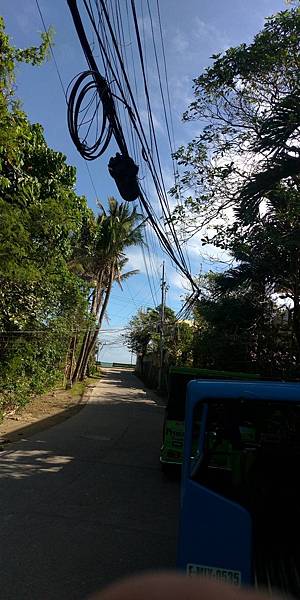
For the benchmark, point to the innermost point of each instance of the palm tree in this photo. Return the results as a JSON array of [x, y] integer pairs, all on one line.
[[115, 230]]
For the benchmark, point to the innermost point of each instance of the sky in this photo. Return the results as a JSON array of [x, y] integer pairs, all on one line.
[[192, 30]]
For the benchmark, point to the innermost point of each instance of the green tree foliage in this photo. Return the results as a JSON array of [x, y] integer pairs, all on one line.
[[58, 262], [244, 166], [102, 263], [248, 107], [267, 255], [143, 336], [41, 219], [239, 329]]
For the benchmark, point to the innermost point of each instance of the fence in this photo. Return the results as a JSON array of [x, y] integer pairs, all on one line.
[[148, 370]]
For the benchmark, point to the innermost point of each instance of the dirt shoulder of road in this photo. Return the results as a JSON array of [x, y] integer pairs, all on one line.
[[43, 412]]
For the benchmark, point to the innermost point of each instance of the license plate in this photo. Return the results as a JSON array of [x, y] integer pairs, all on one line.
[[222, 575]]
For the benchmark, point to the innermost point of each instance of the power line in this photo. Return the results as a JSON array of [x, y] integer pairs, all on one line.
[[165, 205], [133, 113], [91, 178], [167, 216], [63, 87], [55, 332], [51, 49], [62, 84], [153, 267], [171, 143], [129, 292], [148, 277], [160, 86], [109, 135], [167, 245], [165, 71]]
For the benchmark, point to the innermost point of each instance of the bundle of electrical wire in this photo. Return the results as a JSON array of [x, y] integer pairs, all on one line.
[[85, 85]]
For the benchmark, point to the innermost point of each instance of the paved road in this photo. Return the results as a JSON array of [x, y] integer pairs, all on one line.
[[85, 502]]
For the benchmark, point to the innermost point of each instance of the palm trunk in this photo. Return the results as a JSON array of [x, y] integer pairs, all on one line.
[[77, 369], [72, 362], [86, 351], [94, 336], [69, 363], [86, 339]]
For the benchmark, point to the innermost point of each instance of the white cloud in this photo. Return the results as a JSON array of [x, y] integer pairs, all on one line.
[[158, 126], [145, 27], [179, 281], [136, 260], [210, 257], [180, 42], [25, 16], [211, 34], [181, 89]]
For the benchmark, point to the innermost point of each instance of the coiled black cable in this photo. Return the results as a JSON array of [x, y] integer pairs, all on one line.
[[85, 83]]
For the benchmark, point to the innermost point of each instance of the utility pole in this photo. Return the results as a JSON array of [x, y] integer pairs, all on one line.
[[162, 323]]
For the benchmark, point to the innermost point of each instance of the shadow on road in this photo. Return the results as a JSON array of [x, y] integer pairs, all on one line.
[[85, 502]]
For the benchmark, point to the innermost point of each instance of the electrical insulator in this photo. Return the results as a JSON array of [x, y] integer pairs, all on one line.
[[124, 171]]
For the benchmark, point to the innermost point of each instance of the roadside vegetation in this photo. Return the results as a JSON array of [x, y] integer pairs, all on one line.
[[58, 260], [240, 182], [240, 186]]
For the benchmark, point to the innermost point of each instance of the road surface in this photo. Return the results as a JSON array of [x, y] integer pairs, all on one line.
[[84, 502]]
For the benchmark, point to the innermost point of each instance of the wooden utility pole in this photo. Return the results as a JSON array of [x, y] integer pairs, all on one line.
[[162, 323]]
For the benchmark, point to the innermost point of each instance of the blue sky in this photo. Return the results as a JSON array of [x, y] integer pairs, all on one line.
[[193, 30]]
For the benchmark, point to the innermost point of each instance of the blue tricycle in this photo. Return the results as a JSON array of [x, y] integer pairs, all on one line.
[[239, 519]]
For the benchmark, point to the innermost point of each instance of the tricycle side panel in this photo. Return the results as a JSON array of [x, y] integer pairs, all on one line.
[[215, 536]]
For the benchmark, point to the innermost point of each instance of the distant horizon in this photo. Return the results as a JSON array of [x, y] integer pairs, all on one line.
[[114, 362]]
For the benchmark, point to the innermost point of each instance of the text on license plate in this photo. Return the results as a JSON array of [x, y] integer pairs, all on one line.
[[222, 575]]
